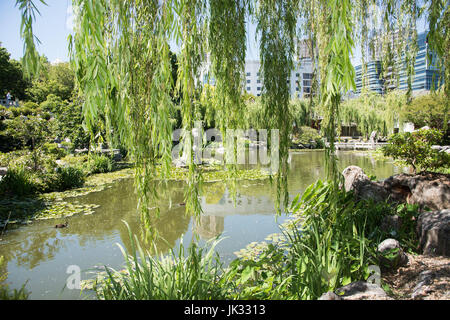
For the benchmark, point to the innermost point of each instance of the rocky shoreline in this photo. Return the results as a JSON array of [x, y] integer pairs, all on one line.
[[422, 276]]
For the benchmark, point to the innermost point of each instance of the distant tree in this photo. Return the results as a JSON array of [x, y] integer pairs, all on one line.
[[11, 76], [55, 79], [415, 149], [427, 110]]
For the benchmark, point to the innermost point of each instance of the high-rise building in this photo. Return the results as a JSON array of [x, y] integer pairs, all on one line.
[[426, 75], [373, 77]]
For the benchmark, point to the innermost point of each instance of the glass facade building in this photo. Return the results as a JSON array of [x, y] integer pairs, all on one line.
[[426, 75]]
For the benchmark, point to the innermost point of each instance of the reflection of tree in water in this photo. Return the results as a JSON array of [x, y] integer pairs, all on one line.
[[40, 242], [31, 248], [209, 227], [171, 223]]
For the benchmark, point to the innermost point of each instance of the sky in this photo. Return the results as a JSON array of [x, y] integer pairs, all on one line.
[[54, 25], [52, 28]]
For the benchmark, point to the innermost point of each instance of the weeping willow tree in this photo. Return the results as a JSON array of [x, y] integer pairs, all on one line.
[[276, 26], [373, 112], [120, 53], [439, 42]]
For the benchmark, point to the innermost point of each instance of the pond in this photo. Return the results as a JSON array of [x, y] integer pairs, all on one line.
[[40, 254]]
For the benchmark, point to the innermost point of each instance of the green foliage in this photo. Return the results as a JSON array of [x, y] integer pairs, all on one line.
[[31, 130], [276, 54], [69, 178], [100, 164], [194, 274], [415, 149], [17, 182], [54, 150], [309, 136], [11, 77], [427, 110], [373, 112]]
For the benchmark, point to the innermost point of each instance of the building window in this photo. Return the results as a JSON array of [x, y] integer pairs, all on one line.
[[297, 75], [258, 74], [248, 88], [259, 94], [307, 76], [296, 89], [248, 74], [259, 88], [258, 81], [248, 81]]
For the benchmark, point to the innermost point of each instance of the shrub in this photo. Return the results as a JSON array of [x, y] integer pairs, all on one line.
[[309, 136], [53, 149], [414, 148], [69, 178], [427, 110], [100, 164], [17, 181]]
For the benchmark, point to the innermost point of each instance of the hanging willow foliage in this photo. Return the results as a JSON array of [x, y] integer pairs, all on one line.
[[439, 42], [227, 46], [120, 53], [31, 56], [276, 23], [121, 56]]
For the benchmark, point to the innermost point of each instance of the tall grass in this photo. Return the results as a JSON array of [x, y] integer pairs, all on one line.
[[196, 275], [100, 164], [17, 182]]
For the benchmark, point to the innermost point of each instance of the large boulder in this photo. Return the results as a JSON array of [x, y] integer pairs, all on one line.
[[433, 229], [362, 290], [427, 189], [364, 188]]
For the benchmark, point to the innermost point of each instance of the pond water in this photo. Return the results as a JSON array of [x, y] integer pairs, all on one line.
[[39, 254]]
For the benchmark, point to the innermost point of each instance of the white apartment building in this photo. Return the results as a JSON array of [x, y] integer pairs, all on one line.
[[300, 80]]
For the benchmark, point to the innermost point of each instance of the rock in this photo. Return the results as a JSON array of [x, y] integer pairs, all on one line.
[[3, 171], [362, 290], [363, 187], [397, 257], [433, 229], [329, 296], [391, 223], [422, 288], [427, 189]]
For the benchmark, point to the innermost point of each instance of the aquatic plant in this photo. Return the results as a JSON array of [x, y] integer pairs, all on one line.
[[192, 274]]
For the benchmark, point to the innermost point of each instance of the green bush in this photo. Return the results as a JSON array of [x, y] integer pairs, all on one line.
[[414, 148], [100, 164], [17, 182], [69, 178], [53, 149], [309, 136]]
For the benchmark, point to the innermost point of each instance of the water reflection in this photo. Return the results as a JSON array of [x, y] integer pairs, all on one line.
[[39, 251]]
